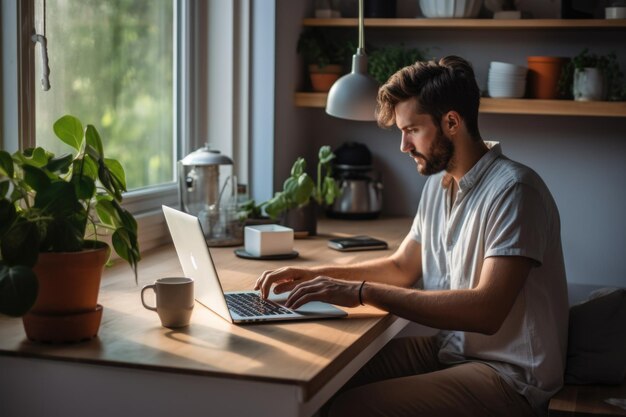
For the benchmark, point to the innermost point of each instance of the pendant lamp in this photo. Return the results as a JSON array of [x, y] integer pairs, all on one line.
[[353, 96]]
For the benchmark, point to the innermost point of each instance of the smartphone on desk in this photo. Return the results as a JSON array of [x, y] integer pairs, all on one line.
[[354, 243]]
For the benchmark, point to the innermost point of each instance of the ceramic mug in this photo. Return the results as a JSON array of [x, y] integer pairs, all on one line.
[[174, 300]]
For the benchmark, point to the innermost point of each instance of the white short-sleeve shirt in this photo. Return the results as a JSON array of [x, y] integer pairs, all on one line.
[[502, 208]]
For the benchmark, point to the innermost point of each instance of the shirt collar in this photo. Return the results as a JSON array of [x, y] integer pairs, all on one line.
[[474, 175]]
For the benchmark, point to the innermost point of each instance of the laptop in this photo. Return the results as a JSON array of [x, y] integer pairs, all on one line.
[[236, 306]]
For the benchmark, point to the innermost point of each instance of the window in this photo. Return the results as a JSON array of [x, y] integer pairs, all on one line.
[[112, 65], [158, 78]]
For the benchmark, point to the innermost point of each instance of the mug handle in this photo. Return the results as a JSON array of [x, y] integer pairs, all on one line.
[[142, 301]]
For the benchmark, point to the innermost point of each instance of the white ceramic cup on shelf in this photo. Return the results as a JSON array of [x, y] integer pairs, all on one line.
[[506, 68], [618, 12]]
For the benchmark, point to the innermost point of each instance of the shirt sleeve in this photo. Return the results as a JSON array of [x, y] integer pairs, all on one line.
[[416, 227], [517, 224]]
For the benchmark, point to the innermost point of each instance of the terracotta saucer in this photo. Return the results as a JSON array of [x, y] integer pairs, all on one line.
[[68, 328]]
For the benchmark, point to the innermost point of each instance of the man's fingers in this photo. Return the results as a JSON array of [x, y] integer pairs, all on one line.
[[277, 277], [259, 282], [285, 286], [306, 298], [302, 290]]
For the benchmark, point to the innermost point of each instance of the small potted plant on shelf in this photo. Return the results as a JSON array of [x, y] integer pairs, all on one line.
[[296, 202], [323, 55], [52, 212], [592, 77], [384, 62]]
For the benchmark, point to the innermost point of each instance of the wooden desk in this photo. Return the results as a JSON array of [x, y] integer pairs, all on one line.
[[137, 367]]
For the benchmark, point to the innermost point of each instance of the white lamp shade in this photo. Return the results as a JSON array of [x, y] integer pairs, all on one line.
[[353, 96]]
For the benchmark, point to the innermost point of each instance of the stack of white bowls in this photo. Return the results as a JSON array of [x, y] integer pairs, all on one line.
[[450, 8], [506, 80]]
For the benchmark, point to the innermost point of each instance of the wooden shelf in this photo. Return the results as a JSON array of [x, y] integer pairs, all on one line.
[[512, 106], [500, 24], [491, 105]]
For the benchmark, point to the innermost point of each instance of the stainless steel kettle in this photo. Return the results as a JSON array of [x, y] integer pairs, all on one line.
[[361, 188], [208, 190], [361, 193]]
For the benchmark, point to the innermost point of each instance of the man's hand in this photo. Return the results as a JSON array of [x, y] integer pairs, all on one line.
[[329, 290], [285, 279]]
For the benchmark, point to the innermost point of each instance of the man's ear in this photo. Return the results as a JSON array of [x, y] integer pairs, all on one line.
[[451, 123]]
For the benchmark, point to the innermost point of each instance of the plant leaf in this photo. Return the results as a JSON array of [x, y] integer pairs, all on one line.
[[325, 155], [93, 138], [4, 188], [84, 186], [36, 157], [276, 205], [290, 185], [6, 164], [304, 190], [70, 130], [61, 164], [58, 199], [298, 167], [117, 172], [65, 234], [7, 215], [85, 167], [106, 211], [36, 178], [110, 181], [18, 289], [125, 245], [330, 190], [20, 244], [127, 219]]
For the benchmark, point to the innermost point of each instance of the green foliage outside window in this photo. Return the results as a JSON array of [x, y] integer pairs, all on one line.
[[112, 63]]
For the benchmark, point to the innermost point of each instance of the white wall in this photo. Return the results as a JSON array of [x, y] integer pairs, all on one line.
[[582, 159]]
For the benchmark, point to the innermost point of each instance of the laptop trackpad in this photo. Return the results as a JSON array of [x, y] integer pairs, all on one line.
[[312, 308]]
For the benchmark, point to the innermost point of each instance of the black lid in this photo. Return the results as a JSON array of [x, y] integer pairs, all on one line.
[[353, 153]]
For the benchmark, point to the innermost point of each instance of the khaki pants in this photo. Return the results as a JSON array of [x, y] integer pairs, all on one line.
[[406, 379]]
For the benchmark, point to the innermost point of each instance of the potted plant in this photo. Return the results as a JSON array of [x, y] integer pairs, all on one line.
[[250, 213], [323, 55], [52, 212], [592, 77], [384, 62], [296, 201]]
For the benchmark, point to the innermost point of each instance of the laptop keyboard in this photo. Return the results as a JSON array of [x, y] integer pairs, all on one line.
[[252, 305]]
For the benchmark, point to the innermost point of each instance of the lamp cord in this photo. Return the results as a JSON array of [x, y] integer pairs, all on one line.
[[361, 24]]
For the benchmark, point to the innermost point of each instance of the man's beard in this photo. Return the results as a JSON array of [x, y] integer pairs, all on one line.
[[440, 156]]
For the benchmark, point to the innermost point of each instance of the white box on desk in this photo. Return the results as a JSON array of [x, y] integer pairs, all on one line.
[[268, 239]]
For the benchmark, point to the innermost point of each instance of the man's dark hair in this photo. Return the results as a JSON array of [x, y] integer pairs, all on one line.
[[439, 87]]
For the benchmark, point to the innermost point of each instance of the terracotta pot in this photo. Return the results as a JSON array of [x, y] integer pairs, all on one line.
[[322, 78], [66, 309], [543, 76]]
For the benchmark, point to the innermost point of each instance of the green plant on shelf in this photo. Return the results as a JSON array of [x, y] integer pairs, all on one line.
[[607, 64], [384, 62], [318, 47]]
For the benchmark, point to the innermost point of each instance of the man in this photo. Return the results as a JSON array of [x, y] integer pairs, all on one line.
[[486, 244]]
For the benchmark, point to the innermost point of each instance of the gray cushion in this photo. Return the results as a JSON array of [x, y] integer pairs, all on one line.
[[596, 351]]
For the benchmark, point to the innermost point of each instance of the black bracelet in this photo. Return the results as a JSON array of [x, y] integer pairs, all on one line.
[[360, 291]]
